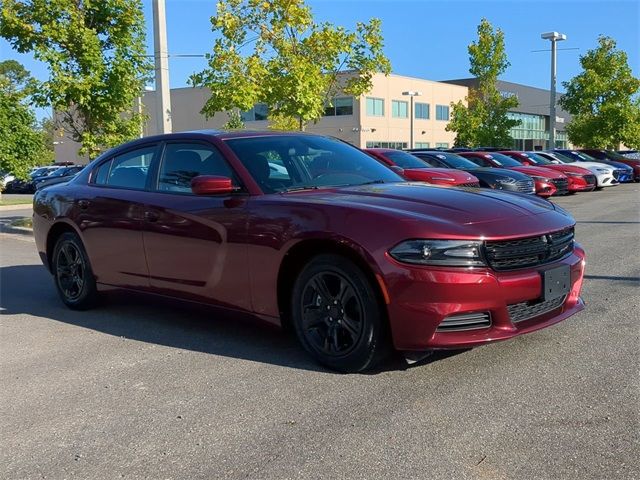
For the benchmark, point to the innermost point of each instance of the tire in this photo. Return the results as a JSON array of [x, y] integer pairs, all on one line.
[[344, 332], [72, 273]]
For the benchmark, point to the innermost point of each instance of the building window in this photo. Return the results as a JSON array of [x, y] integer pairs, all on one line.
[[259, 112], [422, 111], [375, 107], [422, 145], [339, 106], [396, 145], [399, 109], [442, 112], [442, 145]]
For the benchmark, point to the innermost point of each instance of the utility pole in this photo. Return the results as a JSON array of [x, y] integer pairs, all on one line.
[[554, 37], [163, 95], [411, 94]]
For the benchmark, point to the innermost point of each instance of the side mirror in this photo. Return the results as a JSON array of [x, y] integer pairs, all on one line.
[[211, 185]]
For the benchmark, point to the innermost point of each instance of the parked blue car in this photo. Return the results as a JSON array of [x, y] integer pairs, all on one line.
[[623, 173]]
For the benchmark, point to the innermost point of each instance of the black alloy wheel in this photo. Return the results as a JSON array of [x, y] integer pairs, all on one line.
[[337, 315], [73, 275]]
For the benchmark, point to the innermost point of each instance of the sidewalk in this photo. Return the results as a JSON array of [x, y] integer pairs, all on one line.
[[7, 216]]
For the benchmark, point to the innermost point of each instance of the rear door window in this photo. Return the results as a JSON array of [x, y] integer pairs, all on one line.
[[128, 170]]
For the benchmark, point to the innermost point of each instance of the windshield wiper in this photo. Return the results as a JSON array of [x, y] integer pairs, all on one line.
[[299, 189], [372, 182]]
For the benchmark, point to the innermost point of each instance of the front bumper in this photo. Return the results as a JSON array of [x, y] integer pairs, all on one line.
[[582, 184], [606, 180], [421, 298]]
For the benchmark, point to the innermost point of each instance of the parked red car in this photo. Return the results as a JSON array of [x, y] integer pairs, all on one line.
[[580, 179], [412, 168], [339, 247], [547, 182]]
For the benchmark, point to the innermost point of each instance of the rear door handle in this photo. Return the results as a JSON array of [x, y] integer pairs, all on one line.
[[151, 216], [83, 204]]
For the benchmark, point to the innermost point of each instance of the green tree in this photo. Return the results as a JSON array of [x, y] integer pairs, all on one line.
[[15, 77], [483, 121], [603, 99], [275, 53], [235, 120], [95, 51], [23, 144]]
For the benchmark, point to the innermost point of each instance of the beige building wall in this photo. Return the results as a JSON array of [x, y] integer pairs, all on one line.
[[357, 128]]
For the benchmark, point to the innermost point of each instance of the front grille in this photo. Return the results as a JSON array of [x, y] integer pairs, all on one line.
[[617, 173], [525, 186], [465, 321], [562, 185], [590, 179], [530, 251], [473, 184], [519, 312]]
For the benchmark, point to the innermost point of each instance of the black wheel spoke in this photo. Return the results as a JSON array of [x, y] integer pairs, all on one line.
[[352, 328], [313, 316], [321, 288], [70, 270]]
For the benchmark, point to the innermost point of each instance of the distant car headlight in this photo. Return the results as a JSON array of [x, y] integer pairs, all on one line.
[[449, 253], [506, 180], [541, 179]]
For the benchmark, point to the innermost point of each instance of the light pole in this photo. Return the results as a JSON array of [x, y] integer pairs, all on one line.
[[163, 96], [411, 93], [554, 37]]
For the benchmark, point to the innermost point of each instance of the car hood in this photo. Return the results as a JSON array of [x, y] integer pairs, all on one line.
[[459, 206], [590, 165], [445, 174], [538, 171], [569, 169], [491, 172]]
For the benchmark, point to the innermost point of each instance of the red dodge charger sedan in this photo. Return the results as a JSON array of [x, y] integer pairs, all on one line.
[[309, 232], [412, 168]]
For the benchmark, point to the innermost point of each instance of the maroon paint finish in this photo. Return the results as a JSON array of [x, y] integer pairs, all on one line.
[[449, 177], [543, 188], [227, 250], [576, 183]]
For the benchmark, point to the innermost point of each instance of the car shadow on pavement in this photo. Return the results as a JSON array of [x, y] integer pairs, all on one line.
[[29, 289]]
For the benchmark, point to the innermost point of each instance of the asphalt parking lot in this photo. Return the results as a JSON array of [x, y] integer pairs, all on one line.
[[142, 389]]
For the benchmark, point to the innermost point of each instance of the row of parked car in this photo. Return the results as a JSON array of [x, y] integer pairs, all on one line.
[[545, 173], [41, 177]]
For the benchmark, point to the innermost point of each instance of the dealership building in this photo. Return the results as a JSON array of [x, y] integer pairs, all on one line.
[[380, 118]]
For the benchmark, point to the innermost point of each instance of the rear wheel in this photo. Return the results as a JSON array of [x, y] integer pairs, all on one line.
[[72, 272], [337, 315]]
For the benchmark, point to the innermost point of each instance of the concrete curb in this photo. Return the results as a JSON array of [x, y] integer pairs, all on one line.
[[17, 206], [16, 230]]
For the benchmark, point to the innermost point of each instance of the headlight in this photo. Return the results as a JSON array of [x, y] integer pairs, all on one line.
[[541, 179], [604, 170], [506, 180], [451, 253], [571, 174]]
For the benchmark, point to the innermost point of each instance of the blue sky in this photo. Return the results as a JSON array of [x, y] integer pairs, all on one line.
[[428, 39]]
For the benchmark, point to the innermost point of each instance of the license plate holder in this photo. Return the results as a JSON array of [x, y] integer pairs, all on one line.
[[556, 282]]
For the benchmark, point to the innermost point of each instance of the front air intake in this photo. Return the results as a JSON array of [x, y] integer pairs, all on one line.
[[465, 321]]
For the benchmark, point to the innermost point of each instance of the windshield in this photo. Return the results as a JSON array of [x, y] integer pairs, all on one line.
[[615, 155], [583, 156], [504, 160], [454, 161], [279, 163], [563, 158], [404, 159], [537, 159]]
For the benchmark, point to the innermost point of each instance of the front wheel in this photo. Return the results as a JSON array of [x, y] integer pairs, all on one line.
[[337, 316], [72, 271]]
